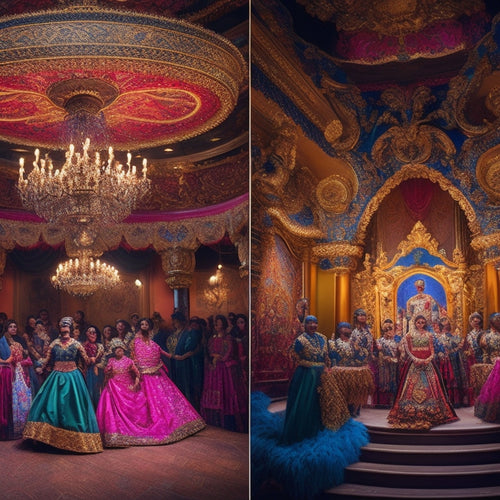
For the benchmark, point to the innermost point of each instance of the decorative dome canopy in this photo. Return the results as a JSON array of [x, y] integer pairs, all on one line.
[[157, 82]]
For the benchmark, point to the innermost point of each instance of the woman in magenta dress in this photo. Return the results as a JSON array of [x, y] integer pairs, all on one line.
[[487, 404], [421, 401], [118, 413], [224, 401], [165, 415]]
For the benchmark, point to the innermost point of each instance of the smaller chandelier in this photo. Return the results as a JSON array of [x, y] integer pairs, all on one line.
[[85, 190], [83, 276]]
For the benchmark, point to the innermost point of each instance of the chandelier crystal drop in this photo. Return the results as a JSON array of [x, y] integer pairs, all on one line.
[[84, 190], [83, 276]]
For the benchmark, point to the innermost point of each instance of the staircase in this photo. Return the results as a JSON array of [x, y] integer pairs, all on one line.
[[447, 462]]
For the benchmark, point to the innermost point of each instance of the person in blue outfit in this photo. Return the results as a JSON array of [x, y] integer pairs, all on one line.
[[188, 358], [303, 411]]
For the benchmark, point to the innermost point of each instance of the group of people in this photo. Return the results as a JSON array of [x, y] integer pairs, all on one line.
[[209, 362], [137, 383], [421, 376]]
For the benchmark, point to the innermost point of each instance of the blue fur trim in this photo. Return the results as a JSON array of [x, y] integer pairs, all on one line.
[[303, 469]]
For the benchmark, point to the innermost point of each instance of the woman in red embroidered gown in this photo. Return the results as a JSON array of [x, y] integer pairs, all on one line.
[[421, 401], [224, 401]]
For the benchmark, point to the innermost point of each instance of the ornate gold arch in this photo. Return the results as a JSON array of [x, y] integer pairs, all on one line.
[[413, 172], [377, 286]]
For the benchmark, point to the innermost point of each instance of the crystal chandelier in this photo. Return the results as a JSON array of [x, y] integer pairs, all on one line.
[[84, 191], [83, 276]]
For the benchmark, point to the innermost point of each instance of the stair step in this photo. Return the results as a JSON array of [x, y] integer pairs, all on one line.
[[406, 454], [414, 476], [443, 437], [349, 491]]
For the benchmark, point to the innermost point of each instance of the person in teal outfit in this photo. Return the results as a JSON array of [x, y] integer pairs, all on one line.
[[188, 358], [62, 414], [303, 412]]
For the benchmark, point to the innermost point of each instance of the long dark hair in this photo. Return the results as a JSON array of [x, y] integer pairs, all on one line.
[[225, 324], [97, 331]]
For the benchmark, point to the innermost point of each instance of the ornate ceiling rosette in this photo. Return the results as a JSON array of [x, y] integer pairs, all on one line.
[[145, 79]]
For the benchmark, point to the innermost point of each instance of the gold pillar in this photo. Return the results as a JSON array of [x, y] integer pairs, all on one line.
[[178, 263], [342, 258], [343, 298], [313, 287], [325, 301], [492, 289]]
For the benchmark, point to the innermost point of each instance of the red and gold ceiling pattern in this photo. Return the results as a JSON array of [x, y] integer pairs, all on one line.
[[173, 80]]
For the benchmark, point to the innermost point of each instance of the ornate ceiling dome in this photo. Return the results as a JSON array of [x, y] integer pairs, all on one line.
[[158, 81]]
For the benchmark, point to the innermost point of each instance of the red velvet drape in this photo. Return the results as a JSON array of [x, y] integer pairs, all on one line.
[[417, 195]]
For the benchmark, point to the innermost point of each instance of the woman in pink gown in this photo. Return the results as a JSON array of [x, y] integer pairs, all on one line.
[[118, 412], [487, 404], [157, 413]]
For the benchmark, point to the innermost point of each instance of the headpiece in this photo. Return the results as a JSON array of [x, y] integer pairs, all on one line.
[[493, 315], [66, 321], [118, 343], [310, 318], [343, 324], [475, 315], [420, 282]]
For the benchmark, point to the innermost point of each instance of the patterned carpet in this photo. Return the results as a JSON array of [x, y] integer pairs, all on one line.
[[212, 464]]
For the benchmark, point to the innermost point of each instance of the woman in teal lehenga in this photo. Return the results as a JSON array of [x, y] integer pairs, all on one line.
[[62, 414], [303, 412]]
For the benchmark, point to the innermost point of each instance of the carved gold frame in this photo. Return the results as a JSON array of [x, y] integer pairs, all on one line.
[[376, 286]]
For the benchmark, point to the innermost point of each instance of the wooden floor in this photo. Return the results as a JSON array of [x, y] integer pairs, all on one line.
[[213, 464]]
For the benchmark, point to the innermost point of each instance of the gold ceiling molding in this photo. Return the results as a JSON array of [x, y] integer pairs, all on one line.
[[415, 172], [389, 17], [335, 193], [336, 249], [285, 71], [344, 133], [294, 228], [188, 233], [475, 101], [488, 173], [486, 242]]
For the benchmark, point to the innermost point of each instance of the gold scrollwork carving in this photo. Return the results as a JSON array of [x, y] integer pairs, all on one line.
[[488, 173], [335, 193], [488, 247], [178, 264], [410, 141], [312, 232]]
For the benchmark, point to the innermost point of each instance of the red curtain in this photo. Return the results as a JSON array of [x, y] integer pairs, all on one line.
[[417, 195]]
